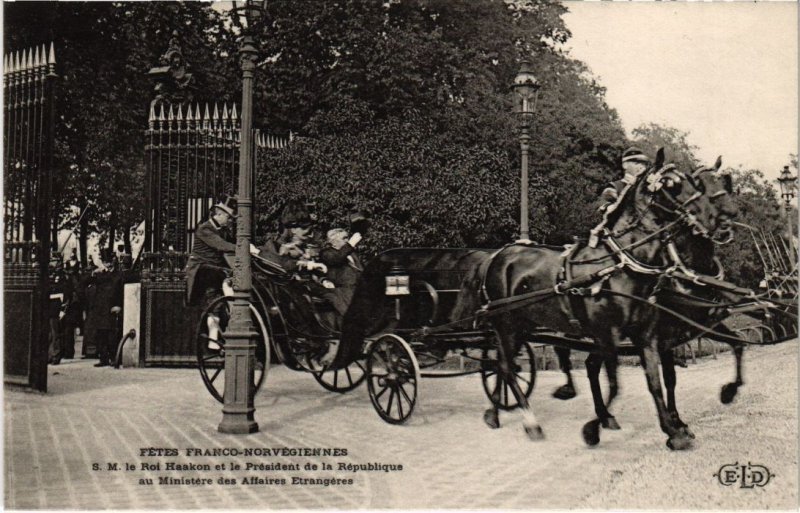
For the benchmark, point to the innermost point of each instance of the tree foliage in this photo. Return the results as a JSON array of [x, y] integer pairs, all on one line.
[[406, 109]]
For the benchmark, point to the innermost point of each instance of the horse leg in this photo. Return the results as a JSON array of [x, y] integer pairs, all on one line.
[[509, 343], [670, 380], [613, 390], [566, 391], [591, 430], [729, 390], [678, 440]]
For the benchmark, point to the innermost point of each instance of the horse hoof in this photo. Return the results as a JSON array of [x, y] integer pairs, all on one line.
[[686, 431], [591, 432], [728, 392], [564, 392], [534, 432], [679, 442], [611, 423], [491, 419]]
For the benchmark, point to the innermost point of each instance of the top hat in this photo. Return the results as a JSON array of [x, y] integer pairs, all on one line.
[[359, 221], [228, 206], [295, 215], [635, 155]]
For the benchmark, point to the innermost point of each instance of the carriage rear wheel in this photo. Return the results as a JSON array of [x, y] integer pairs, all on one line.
[[392, 378], [212, 363], [344, 379], [524, 373]]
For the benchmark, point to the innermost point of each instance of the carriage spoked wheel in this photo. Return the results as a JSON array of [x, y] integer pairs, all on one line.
[[524, 373], [392, 378], [211, 363], [344, 379]]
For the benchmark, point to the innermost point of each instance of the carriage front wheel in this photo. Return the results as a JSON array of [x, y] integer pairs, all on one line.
[[392, 378], [524, 373], [211, 363]]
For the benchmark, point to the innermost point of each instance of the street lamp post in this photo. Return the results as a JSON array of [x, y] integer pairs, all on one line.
[[788, 183], [526, 93], [238, 410]]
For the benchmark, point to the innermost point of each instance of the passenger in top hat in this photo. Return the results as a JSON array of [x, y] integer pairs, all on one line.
[[206, 269], [634, 163], [289, 249]]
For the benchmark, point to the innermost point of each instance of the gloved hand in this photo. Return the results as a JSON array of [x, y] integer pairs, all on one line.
[[61, 314], [328, 284], [311, 266], [354, 239], [115, 309], [254, 250]]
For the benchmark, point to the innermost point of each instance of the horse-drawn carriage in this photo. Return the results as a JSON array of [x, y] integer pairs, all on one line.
[[645, 280], [383, 337]]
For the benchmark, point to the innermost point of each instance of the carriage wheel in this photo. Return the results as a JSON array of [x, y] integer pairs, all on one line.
[[342, 380], [212, 363], [524, 372], [392, 378]]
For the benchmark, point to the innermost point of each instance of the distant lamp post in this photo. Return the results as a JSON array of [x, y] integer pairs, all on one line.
[[238, 410], [788, 182], [526, 93]]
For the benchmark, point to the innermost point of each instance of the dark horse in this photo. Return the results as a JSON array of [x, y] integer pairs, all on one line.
[[704, 303], [607, 290]]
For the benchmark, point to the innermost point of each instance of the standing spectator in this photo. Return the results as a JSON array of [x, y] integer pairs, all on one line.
[[104, 306]]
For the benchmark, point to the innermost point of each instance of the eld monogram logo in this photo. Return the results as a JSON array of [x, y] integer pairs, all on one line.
[[747, 476]]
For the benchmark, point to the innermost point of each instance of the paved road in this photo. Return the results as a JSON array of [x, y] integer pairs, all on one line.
[[449, 458]]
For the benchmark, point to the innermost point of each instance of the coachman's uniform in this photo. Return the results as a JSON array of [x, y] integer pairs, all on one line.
[[207, 268]]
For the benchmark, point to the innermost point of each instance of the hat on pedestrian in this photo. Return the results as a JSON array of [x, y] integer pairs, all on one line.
[[635, 155], [295, 215], [360, 221], [228, 206]]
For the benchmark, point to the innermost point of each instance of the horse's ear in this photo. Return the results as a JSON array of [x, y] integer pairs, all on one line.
[[718, 163], [659, 158]]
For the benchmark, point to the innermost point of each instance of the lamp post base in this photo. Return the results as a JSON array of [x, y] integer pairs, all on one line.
[[238, 423]]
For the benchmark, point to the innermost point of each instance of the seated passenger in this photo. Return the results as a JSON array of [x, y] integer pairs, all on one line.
[[344, 267], [289, 248]]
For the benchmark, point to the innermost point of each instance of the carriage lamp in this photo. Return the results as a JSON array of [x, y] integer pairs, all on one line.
[[788, 183], [526, 94], [238, 411], [397, 282]]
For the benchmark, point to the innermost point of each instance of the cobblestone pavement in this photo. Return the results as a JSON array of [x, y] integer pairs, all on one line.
[[450, 458]]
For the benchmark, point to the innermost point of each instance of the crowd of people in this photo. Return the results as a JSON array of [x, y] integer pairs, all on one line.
[[87, 300]]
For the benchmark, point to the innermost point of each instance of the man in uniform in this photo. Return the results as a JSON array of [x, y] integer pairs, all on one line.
[[634, 163], [206, 269], [104, 306]]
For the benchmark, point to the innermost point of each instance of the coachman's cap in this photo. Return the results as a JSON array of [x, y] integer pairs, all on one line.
[[296, 215], [635, 155], [228, 206]]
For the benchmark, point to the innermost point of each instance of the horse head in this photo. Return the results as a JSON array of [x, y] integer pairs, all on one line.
[[718, 187], [664, 200]]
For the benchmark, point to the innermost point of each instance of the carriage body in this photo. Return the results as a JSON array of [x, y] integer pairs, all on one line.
[[401, 295]]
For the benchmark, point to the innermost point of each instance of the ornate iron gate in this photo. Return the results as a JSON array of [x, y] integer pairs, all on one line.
[[192, 158], [29, 117]]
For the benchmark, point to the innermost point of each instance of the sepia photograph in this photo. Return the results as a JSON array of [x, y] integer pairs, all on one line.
[[400, 254]]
